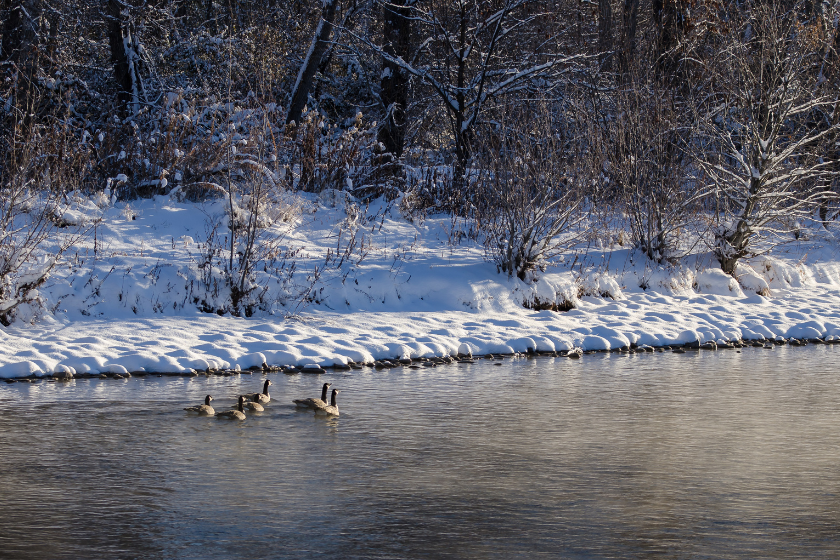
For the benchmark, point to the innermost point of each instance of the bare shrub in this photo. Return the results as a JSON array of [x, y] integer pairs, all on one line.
[[33, 180], [243, 263], [429, 190], [188, 146], [526, 198], [641, 152], [319, 155]]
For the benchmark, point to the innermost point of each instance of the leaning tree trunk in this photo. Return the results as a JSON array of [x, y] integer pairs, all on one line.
[[320, 42], [394, 85], [731, 247], [125, 57]]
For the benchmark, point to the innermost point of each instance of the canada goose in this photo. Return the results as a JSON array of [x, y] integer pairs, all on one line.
[[315, 403], [332, 408], [204, 409], [238, 414], [253, 406], [262, 398]]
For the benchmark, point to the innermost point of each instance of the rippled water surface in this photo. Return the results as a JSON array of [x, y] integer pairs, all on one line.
[[700, 455]]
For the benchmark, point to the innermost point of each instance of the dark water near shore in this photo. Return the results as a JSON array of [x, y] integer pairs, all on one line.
[[700, 455]]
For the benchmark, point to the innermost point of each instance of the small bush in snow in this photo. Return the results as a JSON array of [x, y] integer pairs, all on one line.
[[640, 152], [243, 264], [31, 210], [319, 155], [526, 202]]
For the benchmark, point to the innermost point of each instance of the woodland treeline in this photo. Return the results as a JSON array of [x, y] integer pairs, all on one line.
[[528, 118]]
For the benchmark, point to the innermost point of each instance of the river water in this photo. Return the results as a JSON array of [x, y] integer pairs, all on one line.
[[698, 455]]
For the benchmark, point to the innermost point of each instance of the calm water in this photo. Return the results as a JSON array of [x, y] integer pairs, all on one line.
[[701, 455]]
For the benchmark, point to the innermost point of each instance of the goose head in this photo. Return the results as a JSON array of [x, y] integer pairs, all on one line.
[[241, 403], [265, 386], [324, 391], [207, 399], [332, 398]]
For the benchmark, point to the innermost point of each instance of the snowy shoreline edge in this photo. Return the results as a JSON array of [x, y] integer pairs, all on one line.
[[522, 347]]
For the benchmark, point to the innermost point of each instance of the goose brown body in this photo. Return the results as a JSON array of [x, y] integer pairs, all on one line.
[[315, 404], [332, 408], [253, 407], [204, 409], [238, 414], [261, 398]]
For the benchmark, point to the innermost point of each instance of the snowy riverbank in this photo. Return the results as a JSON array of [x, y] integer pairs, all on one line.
[[413, 294], [178, 344]]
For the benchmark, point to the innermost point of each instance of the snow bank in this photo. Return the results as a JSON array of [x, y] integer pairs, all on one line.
[[183, 344], [125, 305]]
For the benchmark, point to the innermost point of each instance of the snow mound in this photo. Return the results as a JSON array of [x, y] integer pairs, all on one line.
[[20, 369], [596, 343], [716, 281], [752, 282]]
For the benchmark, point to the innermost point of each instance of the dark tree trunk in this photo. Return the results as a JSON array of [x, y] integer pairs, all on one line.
[[462, 144], [20, 47], [212, 18], [670, 19], [52, 42], [732, 247], [397, 35], [306, 76], [20, 31], [605, 35], [124, 57], [628, 36]]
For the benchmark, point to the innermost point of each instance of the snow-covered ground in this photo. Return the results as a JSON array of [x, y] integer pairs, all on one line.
[[123, 301]]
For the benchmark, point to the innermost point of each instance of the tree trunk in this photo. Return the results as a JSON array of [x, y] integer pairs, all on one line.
[[124, 57], [731, 247], [20, 31], [52, 42], [320, 42], [20, 47], [212, 18], [628, 36], [605, 35], [669, 18], [394, 82], [462, 148]]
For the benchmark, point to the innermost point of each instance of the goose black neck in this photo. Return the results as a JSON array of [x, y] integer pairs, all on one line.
[[265, 387], [240, 405], [332, 398], [324, 392], [207, 400]]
